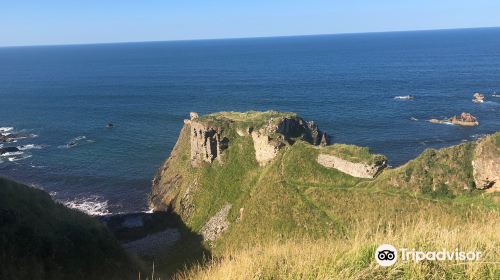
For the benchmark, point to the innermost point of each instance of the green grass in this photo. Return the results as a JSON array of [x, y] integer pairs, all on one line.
[[245, 120], [436, 173], [294, 198], [353, 153], [41, 239]]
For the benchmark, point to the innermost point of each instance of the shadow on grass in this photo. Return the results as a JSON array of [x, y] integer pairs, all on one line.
[[167, 259]]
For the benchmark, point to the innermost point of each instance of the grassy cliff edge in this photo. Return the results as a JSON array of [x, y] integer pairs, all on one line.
[[293, 204]]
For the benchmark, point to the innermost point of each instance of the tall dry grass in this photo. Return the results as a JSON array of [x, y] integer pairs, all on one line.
[[353, 257]]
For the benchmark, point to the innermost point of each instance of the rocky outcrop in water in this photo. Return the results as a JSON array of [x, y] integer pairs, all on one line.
[[7, 137], [464, 119], [478, 98], [8, 150]]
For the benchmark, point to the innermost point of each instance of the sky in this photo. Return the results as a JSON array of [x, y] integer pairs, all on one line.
[[52, 22]]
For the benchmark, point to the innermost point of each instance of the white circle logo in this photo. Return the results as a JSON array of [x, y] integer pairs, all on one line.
[[386, 255]]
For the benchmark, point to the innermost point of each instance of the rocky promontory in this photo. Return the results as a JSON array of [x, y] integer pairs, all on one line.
[[260, 174]]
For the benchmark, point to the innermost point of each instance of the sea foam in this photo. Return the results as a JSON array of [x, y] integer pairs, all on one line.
[[29, 147], [93, 205]]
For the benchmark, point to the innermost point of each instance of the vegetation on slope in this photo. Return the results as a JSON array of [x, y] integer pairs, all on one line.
[[245, 120], [353, 257], [436, 173], [293, 204], [41, 239], [353, 153]]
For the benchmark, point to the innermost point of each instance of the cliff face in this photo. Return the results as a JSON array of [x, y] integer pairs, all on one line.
[[257, 174], [486, 164], [209, 136]]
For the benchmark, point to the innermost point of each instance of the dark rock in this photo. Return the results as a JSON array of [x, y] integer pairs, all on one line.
[[308, 131], [8, 150], [8, 137]]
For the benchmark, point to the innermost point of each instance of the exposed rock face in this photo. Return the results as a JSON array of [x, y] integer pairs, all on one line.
[[465, 119], [308, 131], [289, 129], [193, 115], [478, 98], [203, 140], [217, 224], [207, 143], [486, 165], [8, 137], [168, 180], [265, 147], [360, 170]]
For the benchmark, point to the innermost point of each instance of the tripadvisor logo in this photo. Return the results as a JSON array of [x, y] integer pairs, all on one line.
[[387, 255]]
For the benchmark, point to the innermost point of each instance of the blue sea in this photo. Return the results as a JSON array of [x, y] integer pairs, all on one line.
[[62, 97]]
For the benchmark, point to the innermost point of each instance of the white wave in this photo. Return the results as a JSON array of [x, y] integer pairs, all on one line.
[[19, 158], [491, 102], [8, 154], [6, 128], [75, 142], [477, 136], [93, 205], [29, 147], [404, 97]]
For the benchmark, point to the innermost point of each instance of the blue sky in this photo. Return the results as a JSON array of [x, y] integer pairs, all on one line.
[[37, 22]]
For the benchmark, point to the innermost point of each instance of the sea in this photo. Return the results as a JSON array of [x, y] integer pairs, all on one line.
[[60, 99]]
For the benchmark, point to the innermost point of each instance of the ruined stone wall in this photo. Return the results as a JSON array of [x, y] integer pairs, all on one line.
[[360, 170], [207, 143], [265, 147]]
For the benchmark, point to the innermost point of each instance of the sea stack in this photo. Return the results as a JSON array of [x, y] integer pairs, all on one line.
[[465, 119], [478, 98]]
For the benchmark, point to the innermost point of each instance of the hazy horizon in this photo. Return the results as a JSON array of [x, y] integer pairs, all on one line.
[[254, 37], [58, 22]]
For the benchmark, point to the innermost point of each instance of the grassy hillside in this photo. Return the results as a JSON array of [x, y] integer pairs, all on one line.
[[294, 211], [41, 239]]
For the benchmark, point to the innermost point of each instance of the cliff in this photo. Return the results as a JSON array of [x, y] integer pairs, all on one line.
[[251, 179], [41, 239], [232, 158]]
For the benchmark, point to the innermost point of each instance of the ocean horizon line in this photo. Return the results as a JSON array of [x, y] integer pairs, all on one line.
[[245, 37]]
